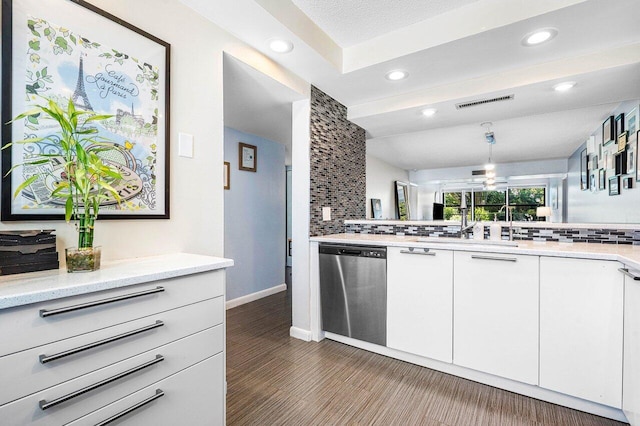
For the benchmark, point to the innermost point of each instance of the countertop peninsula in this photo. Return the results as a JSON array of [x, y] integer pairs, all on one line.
[[624, 253]]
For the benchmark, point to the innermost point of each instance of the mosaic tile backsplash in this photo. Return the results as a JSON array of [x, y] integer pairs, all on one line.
[[568, 235], [338, 165]]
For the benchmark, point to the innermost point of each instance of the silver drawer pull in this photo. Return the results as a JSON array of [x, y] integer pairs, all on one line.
[[424, 252], [134, 407], [45, 359], [47, 313], [504, 259], [44, 404], [629, 274]]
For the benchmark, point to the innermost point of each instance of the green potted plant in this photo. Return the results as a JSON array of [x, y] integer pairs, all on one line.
[[85, 180]]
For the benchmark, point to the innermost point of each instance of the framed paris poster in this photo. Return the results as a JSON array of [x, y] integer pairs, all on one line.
[[70, 51]]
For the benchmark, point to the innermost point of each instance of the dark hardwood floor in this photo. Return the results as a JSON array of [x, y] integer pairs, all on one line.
[[274, 379]]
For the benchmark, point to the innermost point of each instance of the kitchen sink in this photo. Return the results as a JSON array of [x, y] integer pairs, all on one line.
[[450, 240]]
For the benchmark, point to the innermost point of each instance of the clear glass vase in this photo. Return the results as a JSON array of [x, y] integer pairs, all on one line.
[[83, 260]]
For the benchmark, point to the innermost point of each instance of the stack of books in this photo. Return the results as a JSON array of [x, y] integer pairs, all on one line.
[[27, 251]]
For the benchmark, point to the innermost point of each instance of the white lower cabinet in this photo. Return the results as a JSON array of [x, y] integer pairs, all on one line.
[[420, 301], [495, 324], [631, 379], [581, 328], [95, 355], [192, 397]]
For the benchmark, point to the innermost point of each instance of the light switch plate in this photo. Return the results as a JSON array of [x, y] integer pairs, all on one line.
[[326, 213], [185, 145]]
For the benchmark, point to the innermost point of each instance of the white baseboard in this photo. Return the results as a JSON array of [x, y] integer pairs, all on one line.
[[255, 296], [300, 333]]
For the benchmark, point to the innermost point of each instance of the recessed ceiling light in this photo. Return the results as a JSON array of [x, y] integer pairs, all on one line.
[[564, 86], [279, 45], [539, 36], [429, 112], [396, 75]]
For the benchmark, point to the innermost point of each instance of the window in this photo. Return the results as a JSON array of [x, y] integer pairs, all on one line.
[[523, 202], [452, 205], [488, 203]]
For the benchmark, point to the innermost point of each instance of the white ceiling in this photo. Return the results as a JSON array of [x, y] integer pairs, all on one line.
[[349, 22], [472, 51]]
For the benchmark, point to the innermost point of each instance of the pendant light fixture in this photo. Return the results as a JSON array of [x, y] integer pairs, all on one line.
[[489, 167]]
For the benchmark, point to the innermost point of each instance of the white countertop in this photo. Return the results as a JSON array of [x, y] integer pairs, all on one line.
[[516, 224], [32, 287], [627, 254]]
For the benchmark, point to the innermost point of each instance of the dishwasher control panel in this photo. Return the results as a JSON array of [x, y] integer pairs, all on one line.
[[353, 250]]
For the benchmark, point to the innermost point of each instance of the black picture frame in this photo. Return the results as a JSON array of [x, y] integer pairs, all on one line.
[[376, 208], [139, 74], [614, 185], [620, 160], [602, 182], [584, 170], [619, 125], [608, 131], [622, 141], [627, 182]]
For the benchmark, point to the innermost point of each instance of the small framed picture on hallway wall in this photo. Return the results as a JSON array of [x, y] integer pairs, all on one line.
[[227, 175], [247, 157]]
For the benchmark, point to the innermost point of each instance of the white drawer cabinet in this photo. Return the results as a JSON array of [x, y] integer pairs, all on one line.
[[147, 367], [27, 373], [37, 330], [420, 301], [65, 367], [182, 399], [631, 379], [496, 314], [581, 302]]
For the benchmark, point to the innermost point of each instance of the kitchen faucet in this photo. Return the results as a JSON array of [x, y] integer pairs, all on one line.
[[464, 228], [509, 212]]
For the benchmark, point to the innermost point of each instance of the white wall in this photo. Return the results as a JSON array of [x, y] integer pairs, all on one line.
[[380, 184], [301, 177], [255, 216], [599, 207], [197, 221]]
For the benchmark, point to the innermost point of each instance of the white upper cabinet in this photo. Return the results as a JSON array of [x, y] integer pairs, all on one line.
[[496, 314], [581, 328], [420, 301]]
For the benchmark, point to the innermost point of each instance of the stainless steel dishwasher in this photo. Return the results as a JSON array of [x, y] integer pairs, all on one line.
[[353, 291]]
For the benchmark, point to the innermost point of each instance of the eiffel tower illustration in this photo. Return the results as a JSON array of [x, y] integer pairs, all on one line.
[[80, 94]]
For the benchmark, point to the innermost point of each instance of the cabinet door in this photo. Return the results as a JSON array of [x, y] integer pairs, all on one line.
[[581, 328], [496, 314], [631, 380], [420, 301]]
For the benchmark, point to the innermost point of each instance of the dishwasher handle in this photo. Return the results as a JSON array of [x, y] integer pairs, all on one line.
[[351, 252]]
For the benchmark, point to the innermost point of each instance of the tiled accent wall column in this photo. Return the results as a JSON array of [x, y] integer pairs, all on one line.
[[338, 165]]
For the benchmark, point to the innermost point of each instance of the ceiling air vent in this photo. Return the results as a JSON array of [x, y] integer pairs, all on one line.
[[479, 102], [478, 172]]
